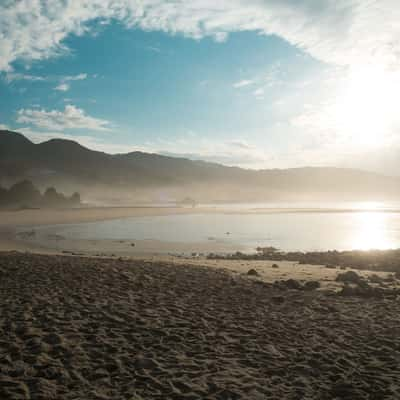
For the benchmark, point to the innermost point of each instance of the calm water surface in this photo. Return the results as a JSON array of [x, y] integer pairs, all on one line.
[[364, 229]]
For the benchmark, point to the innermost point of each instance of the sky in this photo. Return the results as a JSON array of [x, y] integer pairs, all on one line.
[[252, 83]]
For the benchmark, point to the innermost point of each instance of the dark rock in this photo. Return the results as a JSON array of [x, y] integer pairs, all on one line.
[[52, 338], [293, 284], [312, 285], [348, 291], [13, 390], [330, 266], [363, 291], [363, 284], [278, 299], [375, 279], [275, 266], [252, 272], [344, 389], [279, 285], [349, 277]]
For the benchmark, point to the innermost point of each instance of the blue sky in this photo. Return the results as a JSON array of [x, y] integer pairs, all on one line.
[[259, 84]]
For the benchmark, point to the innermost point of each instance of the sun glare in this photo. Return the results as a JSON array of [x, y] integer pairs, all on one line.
[[372, 232], [366, 107]]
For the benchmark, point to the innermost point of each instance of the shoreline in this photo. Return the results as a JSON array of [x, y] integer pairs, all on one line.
[[93, 214], [10, 221], [51, 242]]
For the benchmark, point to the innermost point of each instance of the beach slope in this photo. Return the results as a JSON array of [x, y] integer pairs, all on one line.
[[73, 327]]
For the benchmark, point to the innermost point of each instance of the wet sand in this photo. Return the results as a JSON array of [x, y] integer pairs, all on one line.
[[11, 220], [80, 215], [86, 328]]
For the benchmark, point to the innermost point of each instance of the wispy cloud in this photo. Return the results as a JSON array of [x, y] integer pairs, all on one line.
[[241, 144], [71, 117], [154, 49], [62, 87], [263, 81], [79, 77], [259, 93], [343, 32], [243, 83], [14, 76], [63, 81]]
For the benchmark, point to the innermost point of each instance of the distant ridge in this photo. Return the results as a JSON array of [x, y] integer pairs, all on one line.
[[63, 161]]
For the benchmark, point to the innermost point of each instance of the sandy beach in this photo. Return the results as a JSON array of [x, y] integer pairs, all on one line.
[[146, 324], [85, 328]]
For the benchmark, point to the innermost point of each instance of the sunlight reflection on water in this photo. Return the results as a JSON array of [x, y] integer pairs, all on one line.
[[287, 231], [372, 232]]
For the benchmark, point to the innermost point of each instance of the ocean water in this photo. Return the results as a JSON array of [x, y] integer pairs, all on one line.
[[289, 229]]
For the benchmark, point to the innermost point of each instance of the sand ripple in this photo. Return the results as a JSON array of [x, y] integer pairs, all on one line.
[[81, 328]]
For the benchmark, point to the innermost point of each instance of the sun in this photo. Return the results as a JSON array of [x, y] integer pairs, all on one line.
[[365, 108]]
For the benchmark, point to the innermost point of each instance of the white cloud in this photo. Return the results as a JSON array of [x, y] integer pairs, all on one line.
[[341, 32], [14, 76], [154, 49], [71, 118], [4, 127], [242, 83], [79, 77], [62, 87], [259, 93], [242, 144]]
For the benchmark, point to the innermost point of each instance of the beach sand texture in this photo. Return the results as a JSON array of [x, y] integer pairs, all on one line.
[[84, 328]]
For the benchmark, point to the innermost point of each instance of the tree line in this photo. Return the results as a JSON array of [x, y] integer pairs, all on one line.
[[25, 194]]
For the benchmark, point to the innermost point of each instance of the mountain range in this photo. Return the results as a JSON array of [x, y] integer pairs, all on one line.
[[155, 177]]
